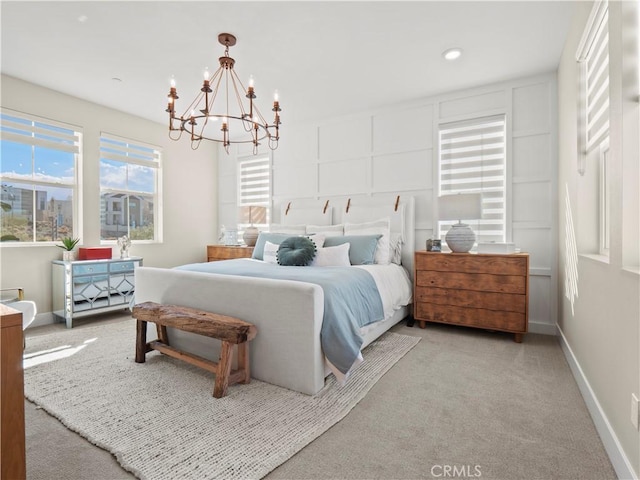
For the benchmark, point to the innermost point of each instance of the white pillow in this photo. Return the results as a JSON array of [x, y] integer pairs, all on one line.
[[327, 230], [317, 239], [395, 248], [288, 229], [381, 227], [337, 256], [270, 252]]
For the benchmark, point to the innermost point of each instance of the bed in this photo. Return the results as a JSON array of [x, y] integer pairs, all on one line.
[[289, 312]]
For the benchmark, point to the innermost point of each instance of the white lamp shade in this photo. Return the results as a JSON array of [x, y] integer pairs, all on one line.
[[461, 206], [253, 214]]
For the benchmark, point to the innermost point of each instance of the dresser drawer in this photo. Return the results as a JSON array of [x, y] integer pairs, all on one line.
[[472, 281], [472, 299], [476, 263], [122, 267], [90, 269], [472, 317]]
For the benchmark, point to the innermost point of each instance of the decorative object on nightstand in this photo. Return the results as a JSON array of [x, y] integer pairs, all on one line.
[[462, 206], [250, 214]]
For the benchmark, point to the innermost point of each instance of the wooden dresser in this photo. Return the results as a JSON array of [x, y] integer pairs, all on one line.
[[12, 436], [227, 252], [475, 290]]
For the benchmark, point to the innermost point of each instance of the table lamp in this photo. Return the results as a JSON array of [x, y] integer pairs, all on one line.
[[250, 214], [462, 206]]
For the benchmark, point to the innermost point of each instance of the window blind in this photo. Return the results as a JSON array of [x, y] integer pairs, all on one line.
[[46, 133], [473, 160], [123, 150], [254, 181], [593, 56]]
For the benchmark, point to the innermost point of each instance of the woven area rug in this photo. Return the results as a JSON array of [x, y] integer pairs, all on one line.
[[159, 419]]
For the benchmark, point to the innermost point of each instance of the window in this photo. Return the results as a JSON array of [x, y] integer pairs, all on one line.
[[254, 188], [593, 61], [40, 197], [130, 179], [473, 160]]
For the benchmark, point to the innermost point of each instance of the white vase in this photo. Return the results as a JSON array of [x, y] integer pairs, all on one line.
[[460, 238], [69, 255], [250, 236]]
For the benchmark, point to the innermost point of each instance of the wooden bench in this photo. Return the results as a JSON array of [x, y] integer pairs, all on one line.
[[232, 331]]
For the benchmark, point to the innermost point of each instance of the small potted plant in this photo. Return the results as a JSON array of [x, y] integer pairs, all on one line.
[[68, 245]]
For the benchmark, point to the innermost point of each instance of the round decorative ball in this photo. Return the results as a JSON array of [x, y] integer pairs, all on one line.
[[460, 238]]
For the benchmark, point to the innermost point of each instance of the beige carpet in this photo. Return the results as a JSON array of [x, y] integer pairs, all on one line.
[[159, 418]]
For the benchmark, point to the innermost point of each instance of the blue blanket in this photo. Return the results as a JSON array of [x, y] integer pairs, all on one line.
[[351, 300]]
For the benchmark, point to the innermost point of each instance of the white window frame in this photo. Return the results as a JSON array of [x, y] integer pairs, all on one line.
[[264, 198], [487, 190], [604, 198], [20, 179], [593, 62], [155, 163]]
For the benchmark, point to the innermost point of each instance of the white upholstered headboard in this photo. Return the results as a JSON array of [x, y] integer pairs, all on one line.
[[399, 209]]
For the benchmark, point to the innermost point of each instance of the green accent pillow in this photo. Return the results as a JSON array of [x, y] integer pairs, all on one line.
[[296, 251], [362, 250]]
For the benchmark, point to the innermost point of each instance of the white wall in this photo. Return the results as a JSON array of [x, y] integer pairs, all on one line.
[[189, 190], [393, 151], [601, 330]]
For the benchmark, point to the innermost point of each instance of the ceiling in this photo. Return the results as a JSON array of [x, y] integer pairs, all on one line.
[[325, 58]]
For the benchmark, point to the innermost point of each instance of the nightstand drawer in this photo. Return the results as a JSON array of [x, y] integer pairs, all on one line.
[[472, 317], [227, 252]]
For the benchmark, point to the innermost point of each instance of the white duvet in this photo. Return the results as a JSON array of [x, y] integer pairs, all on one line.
[[395, 288]]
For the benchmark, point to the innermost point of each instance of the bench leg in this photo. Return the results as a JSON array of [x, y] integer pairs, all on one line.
[[162, 334], [243, 361], [141, 341], [224, 370]]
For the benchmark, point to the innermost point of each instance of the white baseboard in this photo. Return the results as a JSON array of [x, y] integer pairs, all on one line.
[[46, 318], [543, 328], [619, 460]]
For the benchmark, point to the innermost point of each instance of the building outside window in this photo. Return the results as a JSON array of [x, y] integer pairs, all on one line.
[[130, 179], [40, 170], [472, 159]]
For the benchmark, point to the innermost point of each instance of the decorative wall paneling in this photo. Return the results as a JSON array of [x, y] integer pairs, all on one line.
[[393, 151]]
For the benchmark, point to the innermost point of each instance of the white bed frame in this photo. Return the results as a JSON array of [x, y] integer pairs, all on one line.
[[287, 314]]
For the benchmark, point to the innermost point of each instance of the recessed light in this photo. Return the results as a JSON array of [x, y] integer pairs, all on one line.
[[452, 53], [83, 18]]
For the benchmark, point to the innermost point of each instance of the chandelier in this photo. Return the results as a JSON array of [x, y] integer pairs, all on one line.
[[227, 121]]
